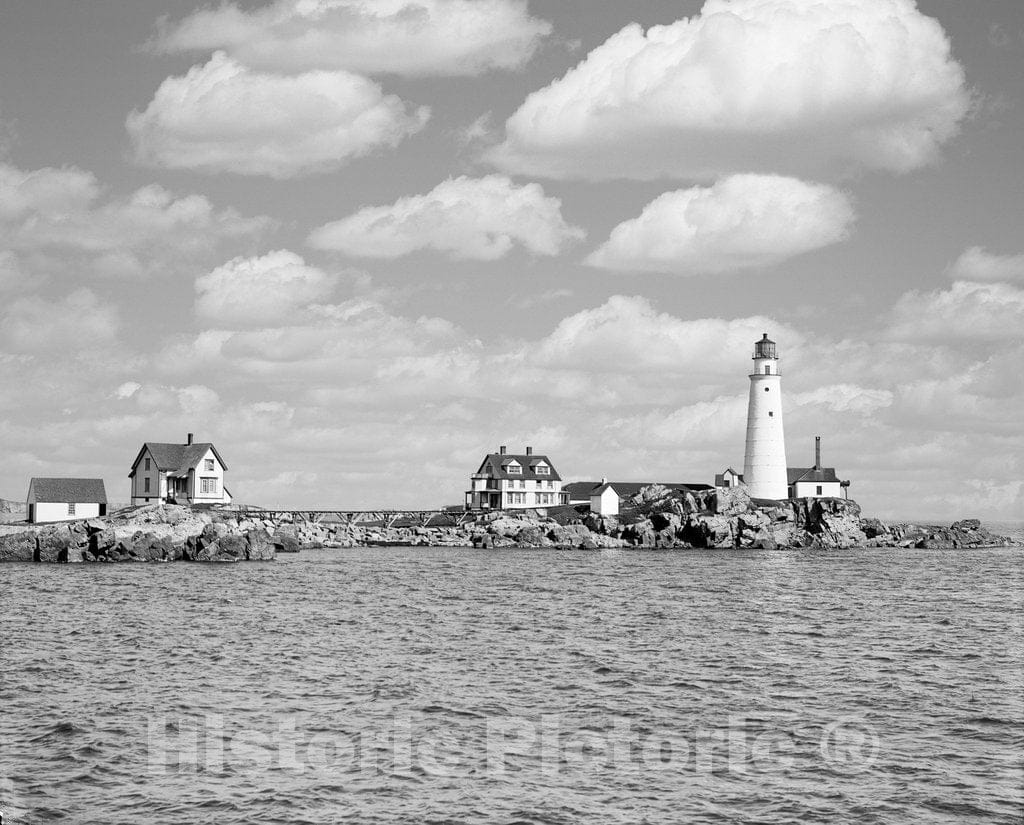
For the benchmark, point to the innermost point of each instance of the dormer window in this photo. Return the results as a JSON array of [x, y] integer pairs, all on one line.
[[514, 469], [542, 470]]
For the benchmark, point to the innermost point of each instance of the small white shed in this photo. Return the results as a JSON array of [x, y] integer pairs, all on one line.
[[65, 499]]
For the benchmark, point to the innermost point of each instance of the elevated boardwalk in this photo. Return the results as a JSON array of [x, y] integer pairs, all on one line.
[[365, 518]]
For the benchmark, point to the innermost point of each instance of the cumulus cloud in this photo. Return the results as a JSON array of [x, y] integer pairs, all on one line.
[[740, 222], [845, 398], [261, 290], [50, 214], [965, 311], [627, 334], [977, 264], [476, 218], [224, 117], [403, 37], [37, 326], [748, 85]]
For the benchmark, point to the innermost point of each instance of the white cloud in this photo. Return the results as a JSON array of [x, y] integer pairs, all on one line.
[[261, 290], [58, 216], [740, 222], [748, 85], [404, 37], [476, 218], [78, 322], [127, 390], [223, 117], [977, 264], [965, 311], [845, 398], [627, 335]]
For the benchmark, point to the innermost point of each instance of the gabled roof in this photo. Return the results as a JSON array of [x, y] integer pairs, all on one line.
[[67, 491], [494, 464], [177, 459], [720, 477], [812, 474]]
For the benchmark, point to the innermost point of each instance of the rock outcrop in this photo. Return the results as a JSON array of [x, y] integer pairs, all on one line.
[[656, 518], [151, 533]]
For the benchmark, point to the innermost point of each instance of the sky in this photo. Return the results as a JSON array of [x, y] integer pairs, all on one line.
[[359, 244]]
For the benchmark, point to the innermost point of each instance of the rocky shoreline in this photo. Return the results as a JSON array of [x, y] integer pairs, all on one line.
[[656, 518]]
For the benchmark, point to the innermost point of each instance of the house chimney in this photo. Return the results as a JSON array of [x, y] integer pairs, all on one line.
[[817, 452], [503, 449], [190, 439], [529, 450]]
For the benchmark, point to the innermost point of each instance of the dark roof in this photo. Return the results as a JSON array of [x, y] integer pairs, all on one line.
[[580, 489], [177, 458], [67, 491], [811, 474], [495, 463]]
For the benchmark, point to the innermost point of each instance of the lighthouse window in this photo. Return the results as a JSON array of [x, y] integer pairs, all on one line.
[[768, 370], [771, 414], [766, 389]]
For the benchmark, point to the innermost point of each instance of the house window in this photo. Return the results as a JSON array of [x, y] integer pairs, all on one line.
[[147, 465], [819, 490], [208, 485], [71, 508], [514, 469], [208, 465], [551, 485], [145, 485], [542, 470]]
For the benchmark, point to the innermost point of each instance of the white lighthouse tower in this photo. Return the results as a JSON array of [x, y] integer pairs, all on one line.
[[764, 463]]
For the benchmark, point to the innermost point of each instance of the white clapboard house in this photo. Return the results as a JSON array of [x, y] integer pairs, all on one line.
[[515, 482], [65, 499], [189, 473]]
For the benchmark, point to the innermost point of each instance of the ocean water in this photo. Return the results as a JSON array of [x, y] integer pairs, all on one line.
[[418, 685]]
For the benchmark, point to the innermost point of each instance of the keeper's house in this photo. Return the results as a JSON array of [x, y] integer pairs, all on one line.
[[65, 499], [189, 473], [515, 482]]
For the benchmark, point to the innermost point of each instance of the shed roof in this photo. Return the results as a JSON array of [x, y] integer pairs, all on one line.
[[811, 474], [67, 491]]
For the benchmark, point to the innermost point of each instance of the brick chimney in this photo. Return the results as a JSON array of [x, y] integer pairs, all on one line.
[[503, 449], [529, 450], [817, 452], [189, 442]]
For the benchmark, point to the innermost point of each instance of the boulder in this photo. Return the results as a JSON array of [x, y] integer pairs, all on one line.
[[54, 543], [101, 540], [966, 524], [260, 547], [95, 526], [234, 546], [729, 501], [285, 543], [531, 536], [18, 547]]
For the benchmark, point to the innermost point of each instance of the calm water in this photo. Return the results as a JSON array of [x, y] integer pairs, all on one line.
[[411, 685]]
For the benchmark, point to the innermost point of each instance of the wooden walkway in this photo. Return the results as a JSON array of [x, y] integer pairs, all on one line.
[[368, 518]]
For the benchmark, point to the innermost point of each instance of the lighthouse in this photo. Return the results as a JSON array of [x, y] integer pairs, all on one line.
[[764, 463]]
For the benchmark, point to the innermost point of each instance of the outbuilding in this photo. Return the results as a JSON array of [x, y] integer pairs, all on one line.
[[65, 499]]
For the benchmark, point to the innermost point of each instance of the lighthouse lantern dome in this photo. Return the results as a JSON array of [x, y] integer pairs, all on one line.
[[765, 348]]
